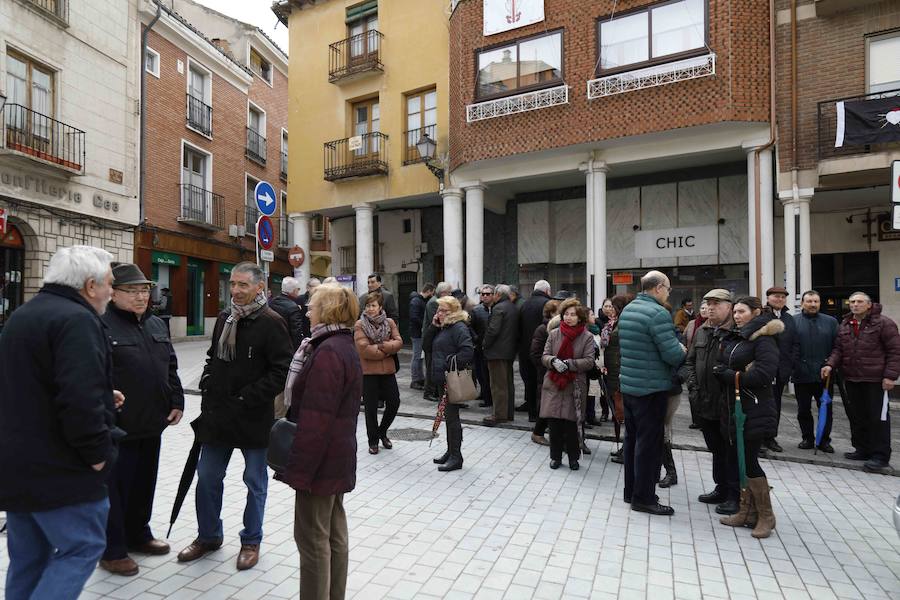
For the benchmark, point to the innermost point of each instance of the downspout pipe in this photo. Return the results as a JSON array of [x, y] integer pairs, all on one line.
[[143, 167], [757, 184]]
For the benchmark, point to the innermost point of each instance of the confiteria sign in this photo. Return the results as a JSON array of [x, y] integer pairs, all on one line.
[[670, 243]]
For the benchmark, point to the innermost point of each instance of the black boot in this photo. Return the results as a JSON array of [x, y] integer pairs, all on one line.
[[668, 461], [442, 458], [454, 450]]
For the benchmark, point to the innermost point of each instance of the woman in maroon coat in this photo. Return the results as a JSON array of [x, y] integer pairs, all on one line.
[[322, 395]]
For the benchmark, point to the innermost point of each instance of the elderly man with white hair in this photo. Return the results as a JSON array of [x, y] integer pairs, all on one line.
[[57, 416], [285, 304], [531, 315]]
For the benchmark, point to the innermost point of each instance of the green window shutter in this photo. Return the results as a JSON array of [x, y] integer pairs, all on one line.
[[361, 11]]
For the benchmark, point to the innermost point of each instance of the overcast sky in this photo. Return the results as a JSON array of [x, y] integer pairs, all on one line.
[[257, 12]]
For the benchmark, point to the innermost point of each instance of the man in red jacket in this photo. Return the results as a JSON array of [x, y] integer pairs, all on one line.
[[867, 352]]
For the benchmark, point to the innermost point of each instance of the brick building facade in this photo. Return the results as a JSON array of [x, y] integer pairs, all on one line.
[[216, 117], [608, 135]]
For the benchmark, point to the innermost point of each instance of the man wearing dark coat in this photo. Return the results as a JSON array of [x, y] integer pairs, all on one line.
[[246, 368], [303, 302], [57, 428], [531, 315], [285, 304], [500, 345], [481, 314], [145, 369], [417, 304], [390, 303], [776, 298]]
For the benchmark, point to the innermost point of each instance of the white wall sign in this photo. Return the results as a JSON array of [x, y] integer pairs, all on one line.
[[684, 241], [503, 15], [895, 182], [354, 143]]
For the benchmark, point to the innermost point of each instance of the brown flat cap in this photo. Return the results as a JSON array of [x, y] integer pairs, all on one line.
[[718, 294], [776, 290]]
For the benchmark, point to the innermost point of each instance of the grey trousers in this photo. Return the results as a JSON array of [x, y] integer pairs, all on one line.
[[320, 531]]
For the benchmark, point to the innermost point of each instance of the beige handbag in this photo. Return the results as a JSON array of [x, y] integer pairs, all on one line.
[[460, 384]]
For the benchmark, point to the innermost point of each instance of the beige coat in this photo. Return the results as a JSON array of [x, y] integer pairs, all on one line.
[[377, 360], [557, 403]]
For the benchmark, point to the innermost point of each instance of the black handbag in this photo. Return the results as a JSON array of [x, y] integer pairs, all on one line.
[[281, 438]]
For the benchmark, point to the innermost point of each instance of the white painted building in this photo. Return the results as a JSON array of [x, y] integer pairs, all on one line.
[[70, 134]]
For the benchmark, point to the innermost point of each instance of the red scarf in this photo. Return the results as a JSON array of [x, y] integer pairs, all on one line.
[[565, 352]]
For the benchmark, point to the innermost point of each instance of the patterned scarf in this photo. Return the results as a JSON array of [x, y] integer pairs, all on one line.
[[228, 339], [607, 331], [303, 353], [376, 328], [565, 352]]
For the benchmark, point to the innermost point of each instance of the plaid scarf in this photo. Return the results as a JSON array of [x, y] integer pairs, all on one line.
[[607, 331], [303, 353], [228, 339], [376, 328]]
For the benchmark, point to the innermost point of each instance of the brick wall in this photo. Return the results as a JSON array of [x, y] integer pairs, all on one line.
[[831, 63], [737, 33]]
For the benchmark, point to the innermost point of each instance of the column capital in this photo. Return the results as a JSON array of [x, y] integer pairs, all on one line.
[[452, 192], [296, 216], [363, 206], [597, 166], [474, 185], [751, 145], [804, 195]]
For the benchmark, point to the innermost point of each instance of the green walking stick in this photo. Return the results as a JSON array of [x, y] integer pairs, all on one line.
[[739, 419]]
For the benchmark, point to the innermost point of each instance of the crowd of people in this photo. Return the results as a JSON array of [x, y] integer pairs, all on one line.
[[100, 375]]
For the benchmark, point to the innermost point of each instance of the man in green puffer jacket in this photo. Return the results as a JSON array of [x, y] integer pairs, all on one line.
[[650, 353]]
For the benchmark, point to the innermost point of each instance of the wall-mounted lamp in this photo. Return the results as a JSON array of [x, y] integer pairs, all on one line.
[[427, 148]]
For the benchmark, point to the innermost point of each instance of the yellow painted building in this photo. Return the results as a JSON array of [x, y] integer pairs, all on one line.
[[367, 79]]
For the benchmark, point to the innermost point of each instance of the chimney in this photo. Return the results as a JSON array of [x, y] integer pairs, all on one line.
[[222, 45]]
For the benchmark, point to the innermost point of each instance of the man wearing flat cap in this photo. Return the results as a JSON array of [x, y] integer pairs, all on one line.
[[146, 370], [709, 402], [788, 351]]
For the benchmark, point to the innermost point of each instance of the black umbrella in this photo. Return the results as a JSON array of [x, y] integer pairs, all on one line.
[[187, 476]]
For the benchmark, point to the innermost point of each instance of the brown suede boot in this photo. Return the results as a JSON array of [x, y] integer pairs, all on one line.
[[739, 518], [759, 486], [753, 515]]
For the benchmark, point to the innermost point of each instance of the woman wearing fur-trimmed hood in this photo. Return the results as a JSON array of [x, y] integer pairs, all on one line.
[[750, 350]]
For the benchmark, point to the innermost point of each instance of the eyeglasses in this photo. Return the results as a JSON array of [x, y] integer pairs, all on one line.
[[137, 292]]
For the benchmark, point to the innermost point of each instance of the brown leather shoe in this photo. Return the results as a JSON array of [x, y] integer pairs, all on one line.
[[121, 566], [196, 550], [154, 547], [248, 556]]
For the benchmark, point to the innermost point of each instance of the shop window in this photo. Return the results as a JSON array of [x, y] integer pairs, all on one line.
[[12, 269], [655, 35], [882, 65], [527, 64]]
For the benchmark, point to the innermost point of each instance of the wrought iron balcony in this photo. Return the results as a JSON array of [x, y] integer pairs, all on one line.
[[202, 208], [251, 215], [285, 233], [283, 174], [199, 115], [42, 138], [412, 137], [827, 127], [357, 156], [355, 56], [57, 9], [256, 146]]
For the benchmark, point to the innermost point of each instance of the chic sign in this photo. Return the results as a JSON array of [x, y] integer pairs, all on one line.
[[671, 243]]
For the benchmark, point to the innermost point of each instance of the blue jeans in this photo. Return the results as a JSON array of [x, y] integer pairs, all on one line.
[[52, 553], [416, 365], [210, 486]]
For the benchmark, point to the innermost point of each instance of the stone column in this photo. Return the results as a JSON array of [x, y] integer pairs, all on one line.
[[597, 171], [365, 258], [764, 272], [453, 242], [796, 221], [588, 225], [474, 237], [300, 228]]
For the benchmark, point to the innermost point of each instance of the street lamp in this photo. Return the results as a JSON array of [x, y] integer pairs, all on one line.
[[427, 148]]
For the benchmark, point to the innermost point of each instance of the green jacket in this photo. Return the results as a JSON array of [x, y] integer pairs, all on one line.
[[650, 352]]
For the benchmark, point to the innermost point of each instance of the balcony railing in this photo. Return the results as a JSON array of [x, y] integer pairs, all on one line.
[[58, 9], [285, 237], [357, 156], [355, 56], [411, 154], [43, 138], [256, 146], [201, 207], [251, 214], [827, 120], [283, 174], [199, 115]]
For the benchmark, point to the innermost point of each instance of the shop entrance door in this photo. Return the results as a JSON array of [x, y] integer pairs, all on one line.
[[195, 293], [836, 276], [12, 266]]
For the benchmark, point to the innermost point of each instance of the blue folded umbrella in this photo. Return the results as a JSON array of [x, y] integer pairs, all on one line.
[[824, 403]]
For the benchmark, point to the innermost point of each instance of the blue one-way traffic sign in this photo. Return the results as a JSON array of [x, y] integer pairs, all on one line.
[[265, 198]]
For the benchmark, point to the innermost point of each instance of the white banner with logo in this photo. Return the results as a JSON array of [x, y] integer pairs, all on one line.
[[503, 15], [684, 241]]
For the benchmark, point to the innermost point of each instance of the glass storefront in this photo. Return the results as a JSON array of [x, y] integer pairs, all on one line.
[[12, 267]]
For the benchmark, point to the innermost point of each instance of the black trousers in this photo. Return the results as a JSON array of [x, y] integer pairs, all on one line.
[[873, 434], [724, 458], [481, 375], [805, 393], [132, 485], [644, 425], [540, 425], [529, 377], [564, 434], [777, 391], [751, 458], [376, 388], [454, 430]]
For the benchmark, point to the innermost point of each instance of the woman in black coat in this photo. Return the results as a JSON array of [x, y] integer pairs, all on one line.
[[750, 351], [448, 336]]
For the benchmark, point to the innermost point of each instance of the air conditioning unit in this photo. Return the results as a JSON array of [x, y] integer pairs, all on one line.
[[237, 230]]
